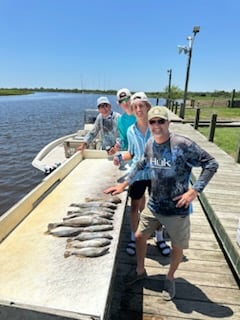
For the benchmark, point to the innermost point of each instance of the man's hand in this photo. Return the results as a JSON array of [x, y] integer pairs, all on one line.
[[82, 146], [186, 198], [116, 189]]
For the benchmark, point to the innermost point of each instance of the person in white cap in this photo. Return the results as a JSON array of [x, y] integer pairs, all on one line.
[[168, 160], [127, 118], [105, 125], [137, 135]]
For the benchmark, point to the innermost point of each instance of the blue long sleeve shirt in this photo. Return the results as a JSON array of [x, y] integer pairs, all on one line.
[[168, 166]]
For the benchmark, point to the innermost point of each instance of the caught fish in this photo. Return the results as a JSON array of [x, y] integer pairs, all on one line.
[[82, 210], [64, 232], [113, 199], [100, 227], [100, 242], [82, 221], [95, 204], [94, 213], [86, 252], [72, 232], [90, 235]]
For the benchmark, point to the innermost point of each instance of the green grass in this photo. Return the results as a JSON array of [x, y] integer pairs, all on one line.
[[226, 138], [206, 113]]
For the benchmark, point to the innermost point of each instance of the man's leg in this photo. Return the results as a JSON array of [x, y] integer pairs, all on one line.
[[175, 260], [141, 250]]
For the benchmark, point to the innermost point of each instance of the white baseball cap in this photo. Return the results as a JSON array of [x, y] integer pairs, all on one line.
[[123, 94], [103, 100]]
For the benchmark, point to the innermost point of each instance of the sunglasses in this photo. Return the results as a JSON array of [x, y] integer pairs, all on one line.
[[124, 100], [158, 121], [103, 105]]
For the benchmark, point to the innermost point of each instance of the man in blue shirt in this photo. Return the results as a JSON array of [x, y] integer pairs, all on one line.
[[168, 161]]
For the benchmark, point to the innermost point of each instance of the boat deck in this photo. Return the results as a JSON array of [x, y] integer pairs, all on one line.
[[207, 287], [34, 273]]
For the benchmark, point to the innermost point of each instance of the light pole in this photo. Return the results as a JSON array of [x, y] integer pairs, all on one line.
[[169, 87], [187, 50]]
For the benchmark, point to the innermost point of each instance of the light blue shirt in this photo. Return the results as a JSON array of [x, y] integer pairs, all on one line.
[[136, 146]]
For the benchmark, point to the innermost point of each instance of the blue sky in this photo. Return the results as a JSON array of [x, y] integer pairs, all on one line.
[[109, 44]]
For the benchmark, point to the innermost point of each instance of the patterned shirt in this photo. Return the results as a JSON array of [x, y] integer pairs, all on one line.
[[169, 166], [136, 145], [124, 122], [107, 128]]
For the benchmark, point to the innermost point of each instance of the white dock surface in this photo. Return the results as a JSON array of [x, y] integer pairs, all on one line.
[[34, 271]]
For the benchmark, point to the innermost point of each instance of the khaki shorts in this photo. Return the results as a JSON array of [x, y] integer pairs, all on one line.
[[178, 227]]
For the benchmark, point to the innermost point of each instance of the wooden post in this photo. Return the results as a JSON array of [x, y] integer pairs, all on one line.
[[232, 99], [238, 153], [197, 116], [212, 127], [176, 108]]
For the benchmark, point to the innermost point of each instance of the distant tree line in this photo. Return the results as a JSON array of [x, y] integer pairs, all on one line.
[[176, 92]]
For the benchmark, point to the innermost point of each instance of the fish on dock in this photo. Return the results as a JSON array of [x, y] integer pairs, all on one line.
[[90, 252], [90, 235], [82, 210], [64, 231], [72, 232], [82, 221], [96, 243], [113, 199], [93, 213], [95, 204]]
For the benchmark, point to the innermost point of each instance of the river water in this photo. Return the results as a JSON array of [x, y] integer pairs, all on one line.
[[27, 124]]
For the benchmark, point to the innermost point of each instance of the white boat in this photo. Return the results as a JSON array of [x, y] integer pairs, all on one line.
[[36, 280], [58, 151]]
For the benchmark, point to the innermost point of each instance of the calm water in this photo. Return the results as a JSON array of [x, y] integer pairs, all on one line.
[[27, 124]]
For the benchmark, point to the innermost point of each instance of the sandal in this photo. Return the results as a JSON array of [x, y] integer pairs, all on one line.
[[164, 248], [131, 248]]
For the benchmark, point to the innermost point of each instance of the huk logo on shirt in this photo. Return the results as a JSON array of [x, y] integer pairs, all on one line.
[[160, 163]]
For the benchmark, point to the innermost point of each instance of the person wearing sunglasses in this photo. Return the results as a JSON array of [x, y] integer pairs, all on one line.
[[105, 126], [138, 135], [168, 161]]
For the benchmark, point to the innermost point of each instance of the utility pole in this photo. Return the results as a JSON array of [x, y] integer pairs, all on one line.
[[169, 87], [187, 50]]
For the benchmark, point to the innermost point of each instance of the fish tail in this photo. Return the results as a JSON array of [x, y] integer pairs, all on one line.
[[52, 226], [67, 253]]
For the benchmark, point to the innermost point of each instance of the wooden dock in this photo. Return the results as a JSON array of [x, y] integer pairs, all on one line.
[[207, 286]]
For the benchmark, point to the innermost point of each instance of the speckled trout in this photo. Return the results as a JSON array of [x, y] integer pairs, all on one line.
[[94, 213], [86, 252], [100, 242], [90, 235], [95, 204], [82, 221], [113, 199], [71, 231]]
